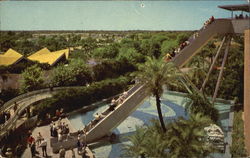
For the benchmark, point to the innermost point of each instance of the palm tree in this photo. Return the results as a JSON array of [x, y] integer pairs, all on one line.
[[155, 73], [187, 138], [135, 149], [198, 66], [199, 103], [147, 142]]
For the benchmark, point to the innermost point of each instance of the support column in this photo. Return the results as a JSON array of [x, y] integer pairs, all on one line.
[[221, 70], [247, 89], [212, 65]]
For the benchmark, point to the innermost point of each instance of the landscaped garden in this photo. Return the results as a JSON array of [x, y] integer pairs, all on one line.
[[103, 68]]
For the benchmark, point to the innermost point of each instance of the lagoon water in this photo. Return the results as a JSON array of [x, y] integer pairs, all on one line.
[[173, 106]]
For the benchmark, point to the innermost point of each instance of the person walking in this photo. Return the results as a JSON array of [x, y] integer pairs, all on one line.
[[43, 145], [33, 149], [30, 140], [73, 153], [39, 138], [15, 107], [62, 153]]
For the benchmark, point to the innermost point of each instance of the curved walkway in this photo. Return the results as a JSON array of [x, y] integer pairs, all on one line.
[[24, 101]]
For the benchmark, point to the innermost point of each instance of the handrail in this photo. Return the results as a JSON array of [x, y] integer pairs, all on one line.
[[25, 95], [134, 90], [219, 26], [107, 112], [132, 101], [8, 105]]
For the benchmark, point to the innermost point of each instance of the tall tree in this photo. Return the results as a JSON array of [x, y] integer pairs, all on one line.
[[155, 73]]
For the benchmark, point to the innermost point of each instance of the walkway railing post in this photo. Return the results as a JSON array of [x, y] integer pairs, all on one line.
[[221, 71], [212, 65]]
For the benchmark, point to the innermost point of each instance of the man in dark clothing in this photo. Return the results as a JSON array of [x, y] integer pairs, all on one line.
[[78, 144], [55, 133], [51, 131], [83, 152], [33, 149], [44, 147]]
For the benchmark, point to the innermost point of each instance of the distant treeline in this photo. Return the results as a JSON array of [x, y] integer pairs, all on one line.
[[92, 31]]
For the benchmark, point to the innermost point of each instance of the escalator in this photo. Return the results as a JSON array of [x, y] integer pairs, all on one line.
[[137, 94], [219, 26]]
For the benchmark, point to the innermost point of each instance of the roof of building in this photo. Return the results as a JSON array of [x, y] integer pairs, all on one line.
[[239, 7], [10, 57], [45, 56]]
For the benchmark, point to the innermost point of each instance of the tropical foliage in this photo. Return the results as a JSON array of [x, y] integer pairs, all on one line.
[[148, 141], [78, 97], [155, 73], [184, 138], [199, 103], [187, 138], [32, 79], [75, 73], [238, 145]]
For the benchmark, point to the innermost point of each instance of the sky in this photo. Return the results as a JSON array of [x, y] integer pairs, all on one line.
[[110, 15]]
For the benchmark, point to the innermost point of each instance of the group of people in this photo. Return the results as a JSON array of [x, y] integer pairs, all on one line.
[[59, 113], [81, 147], [120, 100], [112, 106], [174, 52], [184, 44], [59, 129], [241, 16], [4, 116], [40, 142], [208, 22]]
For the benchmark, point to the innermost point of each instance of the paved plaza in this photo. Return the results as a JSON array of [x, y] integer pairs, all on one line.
[[45, 132]]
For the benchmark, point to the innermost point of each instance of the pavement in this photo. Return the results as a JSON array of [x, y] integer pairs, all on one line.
[[45, 132]]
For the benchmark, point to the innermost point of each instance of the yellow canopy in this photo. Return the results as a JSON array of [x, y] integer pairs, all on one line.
[[45, 56], [10, 57]]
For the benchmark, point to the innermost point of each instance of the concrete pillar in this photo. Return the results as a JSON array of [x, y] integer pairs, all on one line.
[[247, 89]]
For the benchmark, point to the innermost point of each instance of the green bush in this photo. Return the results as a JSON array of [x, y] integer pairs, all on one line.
[[182, 37], [109, 51], [32, 79], [130, 55], [238, 146], [168, 46], [201, 104], [75, 73], [7, 94], [111, 69]]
